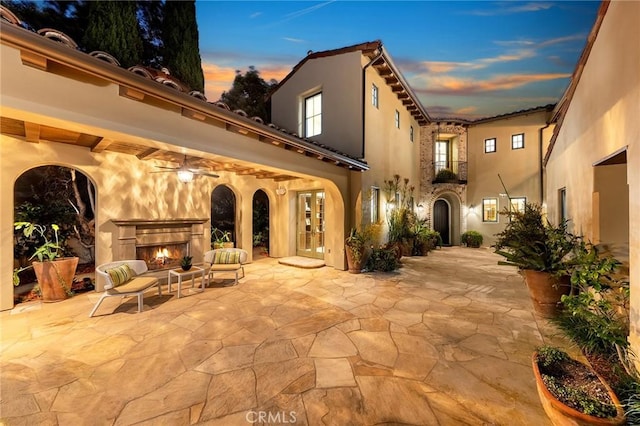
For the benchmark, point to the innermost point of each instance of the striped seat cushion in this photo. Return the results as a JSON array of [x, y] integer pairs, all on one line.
[[120, 274], [226, 257]]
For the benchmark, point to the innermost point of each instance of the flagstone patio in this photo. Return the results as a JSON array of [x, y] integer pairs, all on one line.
[[446, 340]]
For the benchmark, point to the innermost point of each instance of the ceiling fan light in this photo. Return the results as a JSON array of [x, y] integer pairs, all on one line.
[[185, 176]]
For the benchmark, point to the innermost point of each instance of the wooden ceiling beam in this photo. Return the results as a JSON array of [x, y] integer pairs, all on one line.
[[147, 153], [32, 132], [101, 144]]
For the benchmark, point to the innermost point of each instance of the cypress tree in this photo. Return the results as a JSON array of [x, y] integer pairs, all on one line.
[[181, 53], [113, 27]]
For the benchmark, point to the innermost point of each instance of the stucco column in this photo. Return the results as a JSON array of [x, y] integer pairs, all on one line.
[[633, 173]]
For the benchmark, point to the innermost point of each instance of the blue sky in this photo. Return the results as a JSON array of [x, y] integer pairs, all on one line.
[[463, 59]]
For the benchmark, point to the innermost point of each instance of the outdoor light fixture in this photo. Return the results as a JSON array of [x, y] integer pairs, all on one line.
[[185, 176]]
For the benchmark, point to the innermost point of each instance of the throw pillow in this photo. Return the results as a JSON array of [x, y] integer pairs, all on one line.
[[120, 274], [226, 257]]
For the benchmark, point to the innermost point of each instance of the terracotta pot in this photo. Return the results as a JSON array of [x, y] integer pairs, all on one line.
[[546, 290], [55, 277], [355, 266], [563, 415]]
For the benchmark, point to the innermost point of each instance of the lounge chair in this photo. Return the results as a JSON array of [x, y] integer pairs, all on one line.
[[125, 281], [225, 260]]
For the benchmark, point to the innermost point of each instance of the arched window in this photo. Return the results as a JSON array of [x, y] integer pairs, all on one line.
[[223, 215]]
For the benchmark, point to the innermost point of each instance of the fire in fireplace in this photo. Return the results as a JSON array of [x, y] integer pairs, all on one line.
[[164, 256]]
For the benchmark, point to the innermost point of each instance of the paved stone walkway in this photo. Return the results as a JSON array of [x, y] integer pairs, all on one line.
[[446, 340]]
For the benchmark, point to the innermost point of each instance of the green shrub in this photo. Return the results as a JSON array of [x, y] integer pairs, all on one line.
[[382, 259], [471, 239], [446, 175]]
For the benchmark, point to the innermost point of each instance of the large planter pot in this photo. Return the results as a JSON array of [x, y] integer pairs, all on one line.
[[563, 415], [55, 278], [354, 265], [546, 291]]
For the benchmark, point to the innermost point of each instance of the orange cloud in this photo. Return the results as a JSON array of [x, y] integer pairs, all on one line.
[[216, 80], [437, 67], [459, 86]]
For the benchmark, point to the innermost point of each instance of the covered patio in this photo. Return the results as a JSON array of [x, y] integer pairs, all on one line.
[[430, 344]]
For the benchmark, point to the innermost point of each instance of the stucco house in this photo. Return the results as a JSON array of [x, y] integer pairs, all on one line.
[[355, 100], [344, 121]]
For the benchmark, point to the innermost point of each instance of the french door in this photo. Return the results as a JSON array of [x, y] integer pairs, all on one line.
[[310, 224]]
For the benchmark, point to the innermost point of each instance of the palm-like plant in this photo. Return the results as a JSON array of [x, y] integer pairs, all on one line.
[[530, 242]]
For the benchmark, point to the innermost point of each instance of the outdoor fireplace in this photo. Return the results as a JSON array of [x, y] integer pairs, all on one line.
[[161, 243], [163, 256]]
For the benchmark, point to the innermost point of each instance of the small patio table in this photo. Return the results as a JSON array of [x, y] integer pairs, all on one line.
[[180, 274]]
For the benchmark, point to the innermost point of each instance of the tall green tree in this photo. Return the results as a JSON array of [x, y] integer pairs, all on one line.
[[113, 27], [181, 52], [150, 16], [249, 93]]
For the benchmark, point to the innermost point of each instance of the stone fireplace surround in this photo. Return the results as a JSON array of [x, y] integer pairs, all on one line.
[[133, 233]]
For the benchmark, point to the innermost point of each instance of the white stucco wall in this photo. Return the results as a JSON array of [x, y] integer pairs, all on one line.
[[603, 117], [388, 149], [518, 168], [339, 78]]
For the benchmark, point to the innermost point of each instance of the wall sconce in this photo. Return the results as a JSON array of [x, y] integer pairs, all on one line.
[[420, 207], [185, 176], [281, 190]]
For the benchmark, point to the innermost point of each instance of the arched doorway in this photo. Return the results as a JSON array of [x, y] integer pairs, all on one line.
[[223, 215], [63, 196], [446, 214], [260, 231], [442, 220]]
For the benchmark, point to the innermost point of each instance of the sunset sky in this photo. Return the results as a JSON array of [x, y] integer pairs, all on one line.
[[462, 59]]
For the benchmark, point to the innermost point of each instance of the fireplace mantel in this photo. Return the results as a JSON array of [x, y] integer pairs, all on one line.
[[134, 233]]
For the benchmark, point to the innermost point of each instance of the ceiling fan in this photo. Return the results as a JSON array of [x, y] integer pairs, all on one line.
[[185, 172]]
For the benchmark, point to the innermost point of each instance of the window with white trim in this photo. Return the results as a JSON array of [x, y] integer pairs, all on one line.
[[517, 141], [411, 133], [397, 119], [374, 95], [517, 204], [375, 204], [490, 145], [490, 210], [562, 204], [313, 115]]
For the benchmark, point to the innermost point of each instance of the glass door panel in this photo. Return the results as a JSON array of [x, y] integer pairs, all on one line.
[[310, 224], [441, 158]]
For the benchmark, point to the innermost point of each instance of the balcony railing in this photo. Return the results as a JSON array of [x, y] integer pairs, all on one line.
[[449, 172]]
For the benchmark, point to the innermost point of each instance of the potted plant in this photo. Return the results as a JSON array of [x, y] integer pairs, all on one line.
[[541, 251], [53, 272], [185, 263], [425, 239], [572, 393], [355, 246], [471, 239], [446, 176], [221, 239]]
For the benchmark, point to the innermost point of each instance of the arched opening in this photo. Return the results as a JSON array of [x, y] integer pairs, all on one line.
[[223, 217], [54, 195], [446, 218], [260, 224], [442, 220]]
